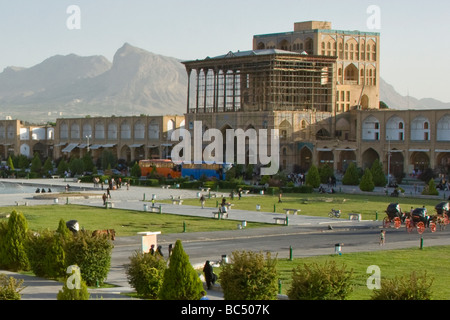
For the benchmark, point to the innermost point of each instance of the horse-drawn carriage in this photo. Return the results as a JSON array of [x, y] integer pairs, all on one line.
[[417, 218], [394, 215], [443, 212]]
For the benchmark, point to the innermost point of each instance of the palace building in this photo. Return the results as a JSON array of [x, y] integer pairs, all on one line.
[[317, 86], [320, 88]]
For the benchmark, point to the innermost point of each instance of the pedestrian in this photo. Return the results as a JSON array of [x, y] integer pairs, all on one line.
[[152, 249], [202, 201], [204, 297], [279, 198], [170, 250], [209, 274], [382, 237], [159, 251], [108, 194], [104, 198]]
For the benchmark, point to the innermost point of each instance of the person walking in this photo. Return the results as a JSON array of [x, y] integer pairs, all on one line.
[[382, 237], [209, 274], [202, 201]]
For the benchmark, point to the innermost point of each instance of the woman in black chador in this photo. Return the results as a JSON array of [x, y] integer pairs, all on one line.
[[209, 275]]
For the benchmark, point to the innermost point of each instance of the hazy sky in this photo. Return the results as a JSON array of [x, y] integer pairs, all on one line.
[[415, 44]]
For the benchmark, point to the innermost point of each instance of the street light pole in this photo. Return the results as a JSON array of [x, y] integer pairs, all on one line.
[[88, 137], [389, 159]]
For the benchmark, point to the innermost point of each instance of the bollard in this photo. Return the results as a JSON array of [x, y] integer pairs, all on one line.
[[287, 220], [376, 215], [290, 253], [184, 226], [421, 243], [274, 208], [144, 197], [160, 209]]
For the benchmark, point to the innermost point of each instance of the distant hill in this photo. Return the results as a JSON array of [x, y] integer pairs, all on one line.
[[396, 101], [135, 82]]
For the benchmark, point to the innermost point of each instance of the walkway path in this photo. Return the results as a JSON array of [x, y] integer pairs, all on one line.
[[42, 289]]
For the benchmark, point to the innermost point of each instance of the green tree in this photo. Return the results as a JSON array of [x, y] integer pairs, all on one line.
[[312, 177], [325, 173], [48, 166], [351, 176], [108, 159], [136, 170], [63, 166], [181, 281], [76, 166], [250, 276], [36, 164], [88, 162], [14, 255], [379, 179], [366, 183]]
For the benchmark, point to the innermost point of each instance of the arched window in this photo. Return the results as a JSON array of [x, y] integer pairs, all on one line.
[[112, 131], [420, 129], [75, 131], [64, 131], [395, 129], [371, 129], [443, 129], [99, 131], [125, 130], [139, 130]]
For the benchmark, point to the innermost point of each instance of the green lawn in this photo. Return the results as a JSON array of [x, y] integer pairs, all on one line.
[[320, 204], [125, 222], [392, 263]]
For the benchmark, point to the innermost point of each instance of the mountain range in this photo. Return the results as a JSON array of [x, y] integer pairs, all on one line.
[[135, 82]]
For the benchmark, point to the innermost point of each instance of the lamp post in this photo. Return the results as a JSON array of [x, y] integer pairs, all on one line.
[[88, 137], [389, 159]]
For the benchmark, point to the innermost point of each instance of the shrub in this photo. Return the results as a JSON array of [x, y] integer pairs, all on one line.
[[13, 237], [326, 172], [366, 183], [145, 274], [46, 255], [181, 281], [379, 179], [73, 293], [414, 287], [320, 282], [10, 288], [351, 176], [249, 277], [92, 255], [47, 252], [312, 177], [430, 189]]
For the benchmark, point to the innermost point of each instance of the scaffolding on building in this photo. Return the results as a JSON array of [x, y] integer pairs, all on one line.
[[261, 80]]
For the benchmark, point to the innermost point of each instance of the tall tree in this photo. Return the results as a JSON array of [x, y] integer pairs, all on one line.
[[181, 281]]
